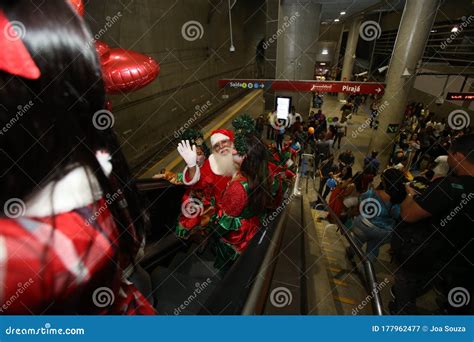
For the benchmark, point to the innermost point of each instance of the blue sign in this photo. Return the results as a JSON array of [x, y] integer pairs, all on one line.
[[237, 328]]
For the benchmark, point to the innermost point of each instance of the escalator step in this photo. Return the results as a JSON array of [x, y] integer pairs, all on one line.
[[179, 294]]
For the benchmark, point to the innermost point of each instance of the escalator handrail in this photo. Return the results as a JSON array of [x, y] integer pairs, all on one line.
[[371, 278], [238, 291]]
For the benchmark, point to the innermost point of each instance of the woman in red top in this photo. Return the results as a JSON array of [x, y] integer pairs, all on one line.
[[70, 226], [244, 200]]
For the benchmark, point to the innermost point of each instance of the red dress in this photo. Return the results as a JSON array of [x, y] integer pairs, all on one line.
[[66, 264], [236, 223]]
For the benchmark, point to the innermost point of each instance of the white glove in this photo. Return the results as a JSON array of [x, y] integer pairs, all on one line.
[[188, 153]]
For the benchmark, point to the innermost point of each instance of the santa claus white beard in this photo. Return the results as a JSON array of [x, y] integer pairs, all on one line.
[[225, 163]]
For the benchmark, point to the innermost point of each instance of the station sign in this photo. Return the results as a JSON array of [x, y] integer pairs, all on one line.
[[305, 86], [460, 96]]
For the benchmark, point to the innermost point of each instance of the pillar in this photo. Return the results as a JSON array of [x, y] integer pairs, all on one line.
[[350, 52], [414, 30], [271, 27], [298, 34]]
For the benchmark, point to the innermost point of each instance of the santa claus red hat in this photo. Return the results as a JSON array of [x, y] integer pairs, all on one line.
[[220, 135]]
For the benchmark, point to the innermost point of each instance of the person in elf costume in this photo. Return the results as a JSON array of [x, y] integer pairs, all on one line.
[[281, 174], [244, 201]]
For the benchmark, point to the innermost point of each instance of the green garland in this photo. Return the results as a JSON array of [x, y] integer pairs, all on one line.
[[195, 137], [243, 125]]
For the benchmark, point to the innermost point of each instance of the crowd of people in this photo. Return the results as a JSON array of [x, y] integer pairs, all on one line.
[[73, 222], [429, 177]]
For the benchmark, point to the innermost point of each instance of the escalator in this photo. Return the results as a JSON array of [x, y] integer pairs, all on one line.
[[184, 280]]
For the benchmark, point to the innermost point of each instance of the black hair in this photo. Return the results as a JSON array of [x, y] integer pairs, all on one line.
[[57, 132], [464, 145], [255, 168], [393, 182], [357, 180]]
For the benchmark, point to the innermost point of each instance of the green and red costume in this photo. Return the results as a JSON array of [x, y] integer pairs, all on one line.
[[236, 223]]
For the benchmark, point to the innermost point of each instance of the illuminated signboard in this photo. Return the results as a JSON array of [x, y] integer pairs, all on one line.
[[460, 96]]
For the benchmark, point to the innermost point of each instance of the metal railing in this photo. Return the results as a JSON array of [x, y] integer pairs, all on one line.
[[370, 277]]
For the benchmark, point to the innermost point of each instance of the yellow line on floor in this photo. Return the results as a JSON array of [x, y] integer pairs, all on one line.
[[330, 258], [339, 282], [344, 300], [335, 269], [221, 123]]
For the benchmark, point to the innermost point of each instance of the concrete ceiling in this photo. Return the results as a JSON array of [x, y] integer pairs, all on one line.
[[331, 9]]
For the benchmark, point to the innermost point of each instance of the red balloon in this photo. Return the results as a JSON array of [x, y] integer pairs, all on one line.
[[127, 71], [78, 5], [103, 50]]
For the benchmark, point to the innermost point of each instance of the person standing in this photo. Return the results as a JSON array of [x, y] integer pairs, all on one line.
[[436, 237], [346, 110], [243, 202], [340, 131]]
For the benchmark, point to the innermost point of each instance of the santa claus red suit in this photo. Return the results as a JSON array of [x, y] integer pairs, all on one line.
[[216, 172]]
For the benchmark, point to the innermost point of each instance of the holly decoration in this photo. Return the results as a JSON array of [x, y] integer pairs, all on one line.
[[243, 125], [195, 137]]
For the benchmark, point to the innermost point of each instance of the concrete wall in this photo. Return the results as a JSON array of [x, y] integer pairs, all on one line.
[[428, 88], [146, 119]]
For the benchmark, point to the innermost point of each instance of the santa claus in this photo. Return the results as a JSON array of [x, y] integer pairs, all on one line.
[[216, 172]]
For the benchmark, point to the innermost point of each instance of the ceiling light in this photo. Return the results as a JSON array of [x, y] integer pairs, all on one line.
[[454, 29], [322, 63], [342, 13], [336, 20], [325, 52]]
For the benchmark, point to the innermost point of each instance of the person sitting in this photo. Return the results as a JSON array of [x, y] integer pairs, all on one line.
[[243, 201], [346, 158], [436, 237], [372, 164], [72, 225], [379, 212]]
